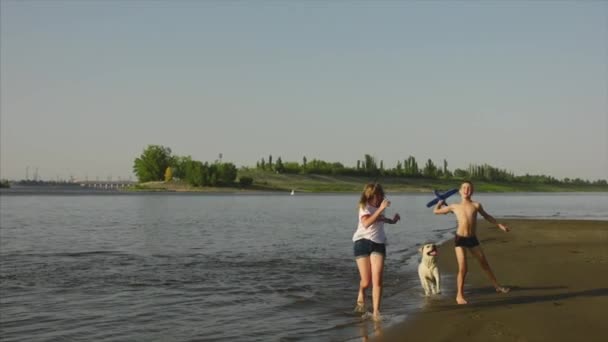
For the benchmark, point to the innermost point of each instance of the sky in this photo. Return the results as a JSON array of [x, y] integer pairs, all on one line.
[[86, 86]]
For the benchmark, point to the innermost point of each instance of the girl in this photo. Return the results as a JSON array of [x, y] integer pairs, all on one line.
[[370, 244]]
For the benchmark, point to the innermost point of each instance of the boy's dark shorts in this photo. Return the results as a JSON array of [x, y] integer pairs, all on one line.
[[465, 241], [364, 248]]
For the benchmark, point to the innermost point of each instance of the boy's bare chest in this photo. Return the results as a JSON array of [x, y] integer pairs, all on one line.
[[466, 211]]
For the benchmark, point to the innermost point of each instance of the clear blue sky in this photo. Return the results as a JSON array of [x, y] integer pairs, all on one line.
[[87, 85]]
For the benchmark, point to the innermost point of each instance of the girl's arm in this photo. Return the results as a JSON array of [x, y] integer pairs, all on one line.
[[368, 220], [394, 220]]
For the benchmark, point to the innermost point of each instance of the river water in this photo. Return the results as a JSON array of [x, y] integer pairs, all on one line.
[[81, 266]]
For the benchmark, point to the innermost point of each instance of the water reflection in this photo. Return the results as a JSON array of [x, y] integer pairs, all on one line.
[[370, 329]]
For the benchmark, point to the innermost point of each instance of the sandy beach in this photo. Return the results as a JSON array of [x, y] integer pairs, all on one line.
[[558, 274]]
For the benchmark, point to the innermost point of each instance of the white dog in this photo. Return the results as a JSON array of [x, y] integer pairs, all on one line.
[[428, 271]]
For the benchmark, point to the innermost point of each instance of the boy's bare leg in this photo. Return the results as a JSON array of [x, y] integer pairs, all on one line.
[[483, 262], [377, 261], [462, 273], [365, 272]]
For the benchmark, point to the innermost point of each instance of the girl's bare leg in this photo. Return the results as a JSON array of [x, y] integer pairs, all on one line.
[[365, 272], [377, 263]]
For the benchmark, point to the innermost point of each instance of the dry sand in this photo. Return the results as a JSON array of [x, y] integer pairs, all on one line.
[[558, 274]]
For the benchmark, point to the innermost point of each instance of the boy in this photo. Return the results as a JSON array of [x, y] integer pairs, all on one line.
[[466, 214]]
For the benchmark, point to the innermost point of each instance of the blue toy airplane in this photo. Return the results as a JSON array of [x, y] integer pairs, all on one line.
[[441, 196]]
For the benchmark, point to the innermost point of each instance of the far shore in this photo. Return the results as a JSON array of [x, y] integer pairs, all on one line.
[[269, 182], [558, 274], [273, 182]]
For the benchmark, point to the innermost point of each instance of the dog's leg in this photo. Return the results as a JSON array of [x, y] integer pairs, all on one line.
[[424, 284], [437, 280]]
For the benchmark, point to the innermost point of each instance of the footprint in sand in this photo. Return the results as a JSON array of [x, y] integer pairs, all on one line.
[[596, 260], [498, 329]]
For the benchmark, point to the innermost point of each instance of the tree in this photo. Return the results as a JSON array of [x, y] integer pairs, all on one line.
[[411, 167], [430, 170], [445, 172], [194, 172], [370, 164], [177, 167], [168, 174], [460, 173], [278, 166], [245, 181], [226, 173], [210, 174], [152, 163], [291, 167]]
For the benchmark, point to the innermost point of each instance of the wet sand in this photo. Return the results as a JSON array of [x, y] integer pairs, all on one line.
[[558, 274]]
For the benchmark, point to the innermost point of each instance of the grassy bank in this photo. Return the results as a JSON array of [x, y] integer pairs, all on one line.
[[270, 181]]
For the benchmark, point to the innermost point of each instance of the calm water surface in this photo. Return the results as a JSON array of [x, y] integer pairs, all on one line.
[[192, 267]]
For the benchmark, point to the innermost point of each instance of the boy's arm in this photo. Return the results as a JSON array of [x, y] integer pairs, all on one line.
[[440, 209], [491, 219]]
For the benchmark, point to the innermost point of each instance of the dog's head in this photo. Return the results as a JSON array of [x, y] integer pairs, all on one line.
[[428, 250]]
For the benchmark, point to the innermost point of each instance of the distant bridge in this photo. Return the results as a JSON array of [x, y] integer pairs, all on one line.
[[106, 184]]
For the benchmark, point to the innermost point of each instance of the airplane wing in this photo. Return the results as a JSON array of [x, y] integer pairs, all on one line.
[[439, 196]]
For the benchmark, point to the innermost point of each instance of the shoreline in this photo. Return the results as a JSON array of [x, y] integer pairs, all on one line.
[[355, 189], [235, 191], [556, 270], [315, 184]]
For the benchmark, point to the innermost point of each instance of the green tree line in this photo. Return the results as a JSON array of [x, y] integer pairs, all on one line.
[[408, 168], [157, 163]]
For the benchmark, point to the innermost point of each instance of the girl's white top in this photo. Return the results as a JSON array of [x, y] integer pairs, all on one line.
[[374, 232]]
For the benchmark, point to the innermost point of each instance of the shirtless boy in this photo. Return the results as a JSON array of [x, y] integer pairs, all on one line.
[[466, 214]]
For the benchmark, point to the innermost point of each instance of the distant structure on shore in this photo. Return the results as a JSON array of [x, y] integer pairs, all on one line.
[[97, 184], [119, 184]]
